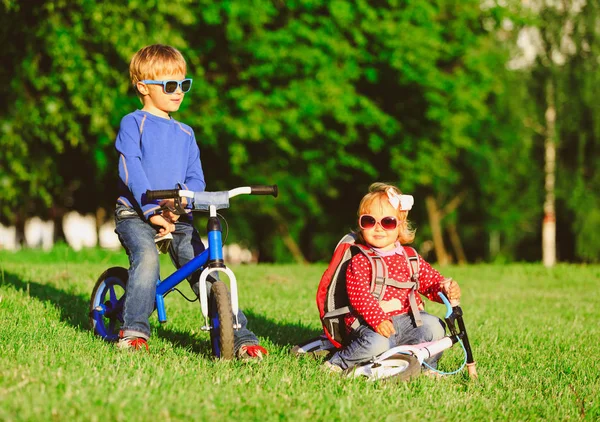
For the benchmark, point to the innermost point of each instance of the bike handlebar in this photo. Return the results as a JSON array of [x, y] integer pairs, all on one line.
[[264, 190], [447, 303], [219, 199], [151, 195]]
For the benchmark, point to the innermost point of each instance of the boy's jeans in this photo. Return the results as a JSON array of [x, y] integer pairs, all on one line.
[[137, 237], [365, 343]]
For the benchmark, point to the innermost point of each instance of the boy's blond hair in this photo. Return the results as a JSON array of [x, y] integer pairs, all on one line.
[[154, 60], [378, 192]]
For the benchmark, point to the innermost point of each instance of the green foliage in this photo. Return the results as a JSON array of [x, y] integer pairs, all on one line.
[[568, 54], [587, 222], [337, 93], [322, 98], [588, 238], [68, 78], [579, 128]]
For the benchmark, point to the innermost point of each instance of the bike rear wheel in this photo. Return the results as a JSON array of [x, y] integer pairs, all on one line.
[[221, 321], [106, 304], [396, 368], [403, 368]]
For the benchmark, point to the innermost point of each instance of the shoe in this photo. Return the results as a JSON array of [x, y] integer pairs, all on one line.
[[318, 348], [196, 286], [131, 343], [330, 367], [431, 374], [196, 289], [252, 351]]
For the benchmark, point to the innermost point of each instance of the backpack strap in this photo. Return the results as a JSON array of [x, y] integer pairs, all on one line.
[[379, 275], [331, 300], [380, 279], [413, 265], [413, 260]]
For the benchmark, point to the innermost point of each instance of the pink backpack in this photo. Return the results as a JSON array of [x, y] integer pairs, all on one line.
[[332, 299]]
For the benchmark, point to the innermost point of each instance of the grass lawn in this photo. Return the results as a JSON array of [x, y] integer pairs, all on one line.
[[534, 332]]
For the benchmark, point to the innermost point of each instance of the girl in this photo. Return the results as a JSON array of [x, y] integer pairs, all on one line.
[[382, 218]]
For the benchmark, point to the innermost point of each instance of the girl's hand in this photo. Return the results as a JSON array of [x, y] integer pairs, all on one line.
[[452, 291], [164, 227], [386, 328]]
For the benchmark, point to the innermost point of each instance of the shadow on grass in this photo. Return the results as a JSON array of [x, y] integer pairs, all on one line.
[[74, 311], [73, 308], [285, 334], [194, 343]]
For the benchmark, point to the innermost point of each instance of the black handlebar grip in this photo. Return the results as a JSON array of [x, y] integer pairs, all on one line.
[[151, 195], [264, 190]]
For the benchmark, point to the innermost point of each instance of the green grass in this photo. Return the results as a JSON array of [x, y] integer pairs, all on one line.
[[534, 332]]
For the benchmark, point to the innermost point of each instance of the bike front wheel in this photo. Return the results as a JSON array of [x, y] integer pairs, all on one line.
[[106, 305], [221, 321]]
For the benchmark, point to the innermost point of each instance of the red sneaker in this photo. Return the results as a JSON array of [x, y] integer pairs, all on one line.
[[252, 351], [131, 342]]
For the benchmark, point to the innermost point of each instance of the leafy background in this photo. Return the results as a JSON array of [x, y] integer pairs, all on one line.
[[322, 98]]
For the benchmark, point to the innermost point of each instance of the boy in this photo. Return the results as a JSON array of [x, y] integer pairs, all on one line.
[[158, 152]]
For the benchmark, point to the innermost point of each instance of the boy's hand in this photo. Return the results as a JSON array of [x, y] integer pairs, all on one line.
[[386, 328], [164, 227], [169, 213], [452, 291], [170, 216]]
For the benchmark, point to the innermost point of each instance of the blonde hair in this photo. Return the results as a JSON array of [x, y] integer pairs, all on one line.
[[378, 192], [154, 60]]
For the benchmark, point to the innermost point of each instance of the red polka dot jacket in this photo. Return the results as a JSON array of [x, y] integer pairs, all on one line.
[[364, 304]]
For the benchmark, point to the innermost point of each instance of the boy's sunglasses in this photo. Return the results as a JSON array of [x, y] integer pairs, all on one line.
[[367, 221], [169, 87]]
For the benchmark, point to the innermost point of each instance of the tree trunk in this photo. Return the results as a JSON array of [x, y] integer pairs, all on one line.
[[459, 252], [292, 246], [549, 222], [288, 239], [494, 244], [435, 221]]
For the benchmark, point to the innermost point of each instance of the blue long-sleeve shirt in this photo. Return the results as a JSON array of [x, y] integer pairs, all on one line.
[[155, 153]]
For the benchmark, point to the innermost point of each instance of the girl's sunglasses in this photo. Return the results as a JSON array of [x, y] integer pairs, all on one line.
[[367, 221], [169, 87]]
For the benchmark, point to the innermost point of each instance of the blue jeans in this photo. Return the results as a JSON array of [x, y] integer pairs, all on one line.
[[137, 237], [365, 343]]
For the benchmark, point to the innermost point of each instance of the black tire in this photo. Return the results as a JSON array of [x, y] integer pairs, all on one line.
[[221, 321], [106, 304], [412, 370]]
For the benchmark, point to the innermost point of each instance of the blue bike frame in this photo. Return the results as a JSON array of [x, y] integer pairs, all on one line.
[[165, 286], [211, 260], [106, 307]]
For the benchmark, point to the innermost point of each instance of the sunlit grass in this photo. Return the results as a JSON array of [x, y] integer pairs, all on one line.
[[534, 333]]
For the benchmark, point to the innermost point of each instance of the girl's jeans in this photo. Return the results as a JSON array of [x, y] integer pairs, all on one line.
[[137, 237], [365, 343]]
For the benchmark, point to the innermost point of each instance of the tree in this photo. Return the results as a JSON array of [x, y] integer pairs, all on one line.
[[68, 89], [564, 42], [320, 97]]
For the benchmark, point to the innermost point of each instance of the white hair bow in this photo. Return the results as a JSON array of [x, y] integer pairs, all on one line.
[[405, 202]]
